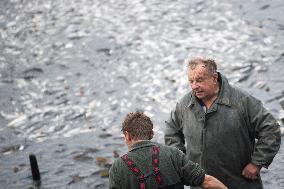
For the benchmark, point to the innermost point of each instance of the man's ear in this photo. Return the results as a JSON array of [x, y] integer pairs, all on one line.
[[215, 77]]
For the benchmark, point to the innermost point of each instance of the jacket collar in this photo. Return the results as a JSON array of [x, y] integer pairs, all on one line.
[[142, 144], [224, 94], [225, 91]]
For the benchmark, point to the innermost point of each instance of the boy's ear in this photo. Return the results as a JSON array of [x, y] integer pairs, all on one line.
[[152, 134], [127, 136]]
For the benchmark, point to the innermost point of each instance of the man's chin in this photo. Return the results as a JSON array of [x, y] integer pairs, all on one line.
[[199, 95]]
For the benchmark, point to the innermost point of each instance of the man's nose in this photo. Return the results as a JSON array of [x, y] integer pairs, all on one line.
[[193, 86]]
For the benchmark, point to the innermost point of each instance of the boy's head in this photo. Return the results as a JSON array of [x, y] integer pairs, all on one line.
[[138, 126]]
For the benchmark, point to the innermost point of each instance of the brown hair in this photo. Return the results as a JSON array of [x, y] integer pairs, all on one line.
[[138, 125], [209, 64]]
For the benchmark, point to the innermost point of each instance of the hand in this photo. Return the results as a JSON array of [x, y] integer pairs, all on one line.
[[212, 183], [251, 171]]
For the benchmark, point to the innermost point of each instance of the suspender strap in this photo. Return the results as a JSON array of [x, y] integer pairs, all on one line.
[[134, 169], [137, 172], [155, 163]]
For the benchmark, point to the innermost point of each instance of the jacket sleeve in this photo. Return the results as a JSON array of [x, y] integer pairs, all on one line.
[[113, 177], [191, 173], [174, 134], [266, 131]]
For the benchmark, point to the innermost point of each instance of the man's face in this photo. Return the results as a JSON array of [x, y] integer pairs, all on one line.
[[202, 84]]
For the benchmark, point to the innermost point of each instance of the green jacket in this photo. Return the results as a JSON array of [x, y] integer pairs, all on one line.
[[235, 131], [174, 168]]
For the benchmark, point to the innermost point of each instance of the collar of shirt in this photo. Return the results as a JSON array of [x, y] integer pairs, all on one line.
[[142, 144]]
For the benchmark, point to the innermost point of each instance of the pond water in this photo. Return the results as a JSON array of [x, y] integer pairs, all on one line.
[[71, 70]]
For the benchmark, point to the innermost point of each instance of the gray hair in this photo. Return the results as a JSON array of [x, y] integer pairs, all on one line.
[[209, 64]]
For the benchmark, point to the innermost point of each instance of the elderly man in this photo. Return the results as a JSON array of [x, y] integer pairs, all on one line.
[[151, 165], [227, 131]]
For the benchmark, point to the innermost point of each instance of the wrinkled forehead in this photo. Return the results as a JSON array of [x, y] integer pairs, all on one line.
[[198, 70]]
